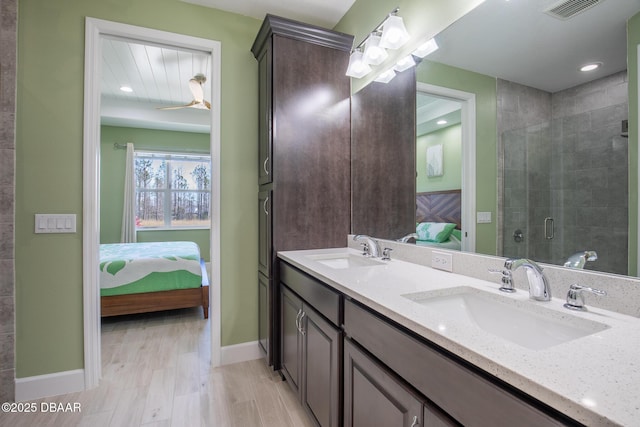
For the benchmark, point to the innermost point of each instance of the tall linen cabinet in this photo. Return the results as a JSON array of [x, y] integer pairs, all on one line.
[[304, 153]]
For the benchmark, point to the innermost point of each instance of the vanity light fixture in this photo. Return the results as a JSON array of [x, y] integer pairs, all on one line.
[[126, 89], [389, 34], [590, 67], [426, 48], [404, 63], [374, 54], [386, 77], [394, 34], [357, 68]]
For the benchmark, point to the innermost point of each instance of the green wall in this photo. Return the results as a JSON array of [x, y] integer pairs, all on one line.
[[633, 40], [49, 147], [112, 170], [451, 179]]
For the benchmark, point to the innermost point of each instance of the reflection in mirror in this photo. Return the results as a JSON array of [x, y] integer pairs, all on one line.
[[562, 154], [438, 172]]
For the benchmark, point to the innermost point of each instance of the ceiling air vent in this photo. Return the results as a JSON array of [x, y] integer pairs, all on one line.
[[569, 8]]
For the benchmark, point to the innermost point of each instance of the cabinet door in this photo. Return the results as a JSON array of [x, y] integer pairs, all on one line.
[[290, 337], [264, 232], [263, 313], [321, 366], [265, 137], [373, 397]]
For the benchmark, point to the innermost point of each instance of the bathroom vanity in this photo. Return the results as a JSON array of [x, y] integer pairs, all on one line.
[[367, 342]]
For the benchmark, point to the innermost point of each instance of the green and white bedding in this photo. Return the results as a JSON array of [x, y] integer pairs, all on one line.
[[130, 268]]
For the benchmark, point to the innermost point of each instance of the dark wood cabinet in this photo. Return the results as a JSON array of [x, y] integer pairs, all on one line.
[[321, 357], [311, 345], [304, 148], [372, 397], [465, 393], [263, 312], [384, 158]]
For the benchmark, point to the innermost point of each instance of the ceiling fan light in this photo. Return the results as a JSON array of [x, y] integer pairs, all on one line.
[[426, 48], [386, 77], [394, 34], [374, 54], [404, 63], [357, 68]]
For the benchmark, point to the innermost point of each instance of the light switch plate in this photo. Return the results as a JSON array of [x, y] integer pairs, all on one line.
[[55, 223], [483, 217]]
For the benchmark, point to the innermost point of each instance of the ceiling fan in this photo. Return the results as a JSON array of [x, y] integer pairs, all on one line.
[[195, 85]]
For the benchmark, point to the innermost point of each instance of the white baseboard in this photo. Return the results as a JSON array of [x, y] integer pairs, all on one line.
[[240, 353], [37, 387]]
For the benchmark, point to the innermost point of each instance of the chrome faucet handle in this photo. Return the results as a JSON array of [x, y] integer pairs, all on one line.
[[575, 297], [372, 245], [507, 279], [386, 254], [365, 249]]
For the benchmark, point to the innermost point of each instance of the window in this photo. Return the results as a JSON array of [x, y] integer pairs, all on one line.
[[172, 190]]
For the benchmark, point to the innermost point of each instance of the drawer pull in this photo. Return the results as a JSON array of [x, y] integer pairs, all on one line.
[[415, 421], [264, 166], [298, 319], [302, 331], [264, 206]]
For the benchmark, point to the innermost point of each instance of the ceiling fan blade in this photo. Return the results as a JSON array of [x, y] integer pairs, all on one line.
[[177, 107], [196, 89]]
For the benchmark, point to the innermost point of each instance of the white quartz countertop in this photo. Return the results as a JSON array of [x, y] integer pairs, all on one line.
[[594, 379]]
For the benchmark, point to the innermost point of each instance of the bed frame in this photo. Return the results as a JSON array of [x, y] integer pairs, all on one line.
[[147, 302], [440, 206]]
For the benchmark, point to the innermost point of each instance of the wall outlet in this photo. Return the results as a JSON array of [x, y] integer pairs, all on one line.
[[442, 261]]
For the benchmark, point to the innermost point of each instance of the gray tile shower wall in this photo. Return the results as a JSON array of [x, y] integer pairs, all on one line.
[[564, 158], [8, 51]]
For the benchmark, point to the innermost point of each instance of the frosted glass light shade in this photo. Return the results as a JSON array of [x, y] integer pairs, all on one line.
[[373, 53], [404, 63], [394, 34], [357, 68], [386, 77], [426, 48]]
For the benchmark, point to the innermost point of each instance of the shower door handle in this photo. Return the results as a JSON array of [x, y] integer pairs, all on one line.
[[549, 228]]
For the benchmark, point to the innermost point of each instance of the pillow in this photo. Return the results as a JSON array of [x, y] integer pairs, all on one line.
[[434, 231], [457, 234]]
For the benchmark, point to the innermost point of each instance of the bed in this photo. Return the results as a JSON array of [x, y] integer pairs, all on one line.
[[154, 276], [439, 219]]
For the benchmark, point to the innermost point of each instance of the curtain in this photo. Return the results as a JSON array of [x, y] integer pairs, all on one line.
[[128, 234]]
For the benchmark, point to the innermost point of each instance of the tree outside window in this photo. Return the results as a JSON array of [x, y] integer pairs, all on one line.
[[172, 190]]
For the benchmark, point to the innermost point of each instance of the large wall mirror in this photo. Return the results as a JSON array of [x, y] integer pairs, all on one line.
[[551, 143]]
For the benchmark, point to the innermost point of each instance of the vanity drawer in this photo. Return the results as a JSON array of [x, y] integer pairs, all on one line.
[[319, 296], [464, 392]]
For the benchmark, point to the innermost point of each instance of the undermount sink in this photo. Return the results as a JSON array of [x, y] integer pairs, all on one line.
[[345, 260], [524, 323]]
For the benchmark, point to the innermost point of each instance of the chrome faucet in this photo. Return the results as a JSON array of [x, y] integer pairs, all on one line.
[[406, 238], [579, 259], [370, 243], [539, 288]]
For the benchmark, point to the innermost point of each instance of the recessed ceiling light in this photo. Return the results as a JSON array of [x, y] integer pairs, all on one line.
[[126, 89], [590, 67], [441, 122]]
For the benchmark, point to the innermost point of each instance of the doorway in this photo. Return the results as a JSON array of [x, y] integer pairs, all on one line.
[[467, 102], [96, 31]]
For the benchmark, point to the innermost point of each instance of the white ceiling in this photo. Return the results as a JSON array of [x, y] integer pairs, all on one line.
[[513, 40], [324, 13]]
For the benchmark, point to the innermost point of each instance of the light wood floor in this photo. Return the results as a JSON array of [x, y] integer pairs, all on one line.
[[156, 372]]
